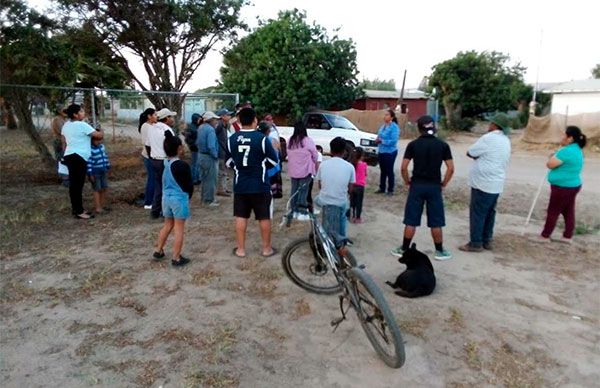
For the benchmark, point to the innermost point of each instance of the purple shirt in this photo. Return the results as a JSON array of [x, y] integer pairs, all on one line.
[[302, 159]]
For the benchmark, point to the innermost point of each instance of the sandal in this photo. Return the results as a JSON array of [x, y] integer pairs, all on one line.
[[234, 252], [84, 216], [273, 253]]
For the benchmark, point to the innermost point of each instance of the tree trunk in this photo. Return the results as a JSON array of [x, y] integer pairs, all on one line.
[[21, 104], [9, 115], [453, 113]]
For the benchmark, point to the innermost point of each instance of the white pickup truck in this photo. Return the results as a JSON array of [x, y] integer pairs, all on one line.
[[322, 127]]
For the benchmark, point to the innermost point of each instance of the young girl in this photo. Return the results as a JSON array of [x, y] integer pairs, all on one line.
[[177, 191], [358, 191]]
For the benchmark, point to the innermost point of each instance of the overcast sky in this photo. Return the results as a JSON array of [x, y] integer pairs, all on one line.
[[392, 36]]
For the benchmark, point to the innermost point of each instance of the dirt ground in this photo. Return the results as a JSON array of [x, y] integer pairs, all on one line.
[[83, 304]]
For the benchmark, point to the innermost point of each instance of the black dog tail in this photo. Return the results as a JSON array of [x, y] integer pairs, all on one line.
[[413, 294]]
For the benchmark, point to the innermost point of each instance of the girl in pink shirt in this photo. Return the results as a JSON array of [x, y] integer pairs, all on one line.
[[358, 191]]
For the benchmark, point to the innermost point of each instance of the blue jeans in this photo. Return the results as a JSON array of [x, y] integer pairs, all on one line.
[[149, 191], [195, 167], [209, 168], [334, 223], [482, 215], [386, 166], [301, 186]]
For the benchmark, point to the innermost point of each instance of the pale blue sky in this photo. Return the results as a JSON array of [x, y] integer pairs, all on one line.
[[391, 36]]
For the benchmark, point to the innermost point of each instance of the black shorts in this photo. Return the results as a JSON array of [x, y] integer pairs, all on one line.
[[420, 194], [260, 203]]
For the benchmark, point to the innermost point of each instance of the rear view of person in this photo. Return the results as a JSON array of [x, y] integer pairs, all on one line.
[[251, 155], [302, 157], [191, 137], [425, 187], [177, 190], [98, 170]]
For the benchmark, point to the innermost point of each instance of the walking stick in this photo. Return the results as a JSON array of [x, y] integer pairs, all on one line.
[[537, 194]]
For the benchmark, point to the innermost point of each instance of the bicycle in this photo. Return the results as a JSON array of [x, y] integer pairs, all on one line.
[[308, 262]]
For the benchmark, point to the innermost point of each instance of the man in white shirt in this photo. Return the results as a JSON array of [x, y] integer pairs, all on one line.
[[491, 154], [155, 140]]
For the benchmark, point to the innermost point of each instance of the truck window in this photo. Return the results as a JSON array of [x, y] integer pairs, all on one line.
[[316, 121]]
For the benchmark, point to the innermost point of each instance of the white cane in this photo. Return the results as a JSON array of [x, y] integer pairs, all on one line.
[[539, 190]]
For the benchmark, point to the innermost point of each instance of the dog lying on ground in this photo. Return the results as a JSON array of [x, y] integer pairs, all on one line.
[[418, 279]]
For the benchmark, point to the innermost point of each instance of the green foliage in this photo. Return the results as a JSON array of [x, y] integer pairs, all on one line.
[[473, 83], [596, 71], [170, 38], [287, 66], [378, 84]]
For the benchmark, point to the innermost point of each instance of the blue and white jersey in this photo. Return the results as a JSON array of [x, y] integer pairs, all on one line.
[[252, 154]]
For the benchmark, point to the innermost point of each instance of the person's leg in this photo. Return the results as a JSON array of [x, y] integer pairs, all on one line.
[[353, 199], [158, 168], [164, 234], [490, 218], [98, 201], [211, 189], [412, 215], [309, 198], [436, 219], [554, 210], [344, 221], [437, 236], [391, 174], [303, 193], [149, 189], [477, 214], [195, 169], [382, 172], [569, 212], [77, 173], [241, 224], [295, 194], [178, 229], [360, 195], [265, 235]]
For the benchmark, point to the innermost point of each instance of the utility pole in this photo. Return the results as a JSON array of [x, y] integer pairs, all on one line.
[[401, 99]]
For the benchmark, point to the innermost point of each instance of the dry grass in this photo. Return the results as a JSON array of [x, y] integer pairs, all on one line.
[[456, 320], [206, 379], [117, 339], [512, 369], [416, 327], [103, 279], [206, 275], [472, 355], [139, 308], [301, 309]]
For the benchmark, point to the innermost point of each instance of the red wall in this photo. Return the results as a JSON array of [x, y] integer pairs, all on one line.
[[416, 108]]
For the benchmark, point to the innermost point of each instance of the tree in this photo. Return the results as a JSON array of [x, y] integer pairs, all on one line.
[[596, 71], [27, 47], [287, 66], [170, 37], [378, 84], [474, 83]]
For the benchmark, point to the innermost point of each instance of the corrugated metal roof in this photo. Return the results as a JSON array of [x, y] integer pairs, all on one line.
[[409, 94], [578, 86]]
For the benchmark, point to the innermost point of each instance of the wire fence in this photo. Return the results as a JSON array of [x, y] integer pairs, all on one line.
[[115, 110]]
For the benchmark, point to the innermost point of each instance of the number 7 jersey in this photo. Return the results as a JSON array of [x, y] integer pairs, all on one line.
[[252, 154]]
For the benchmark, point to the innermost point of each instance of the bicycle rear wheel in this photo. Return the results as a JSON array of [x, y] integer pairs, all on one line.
[[377, 319], [304, 266]]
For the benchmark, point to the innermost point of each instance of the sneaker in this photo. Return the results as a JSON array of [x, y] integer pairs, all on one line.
[[442, 255], [303, 217], [148, 207], [316, 211], [213, 204], [358, 220], [398, 252], [390, 193], [349, 242], [223, 194], [470, 248], [538, 238], [158, 255], [565, 240], [488, 246], [181, 262], [380, 192]]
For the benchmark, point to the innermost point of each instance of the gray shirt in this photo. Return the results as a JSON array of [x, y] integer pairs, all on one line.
[[335, 175]]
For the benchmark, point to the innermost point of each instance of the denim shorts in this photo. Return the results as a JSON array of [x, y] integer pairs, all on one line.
[[419, 195], [176, 207], [100, 182]]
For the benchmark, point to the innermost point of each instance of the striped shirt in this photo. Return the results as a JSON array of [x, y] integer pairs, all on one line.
[[491, 153], [98, 161]]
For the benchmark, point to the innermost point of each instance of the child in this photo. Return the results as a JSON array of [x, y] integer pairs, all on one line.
[[309, 198], [336, 177], [98, 169], [358, 191], [178, 188]]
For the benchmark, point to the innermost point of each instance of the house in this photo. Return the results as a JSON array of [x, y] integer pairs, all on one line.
[[575, 97], [414, 102]]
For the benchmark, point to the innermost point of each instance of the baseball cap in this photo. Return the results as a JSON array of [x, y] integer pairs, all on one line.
[[208, 115], [165, 112], [426, 124], [223, 112]]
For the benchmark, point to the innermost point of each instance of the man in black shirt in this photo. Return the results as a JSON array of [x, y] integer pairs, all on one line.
[[251, 155], [425, 187]]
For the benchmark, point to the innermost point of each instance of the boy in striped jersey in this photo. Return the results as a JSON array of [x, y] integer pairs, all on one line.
[[98, 168]]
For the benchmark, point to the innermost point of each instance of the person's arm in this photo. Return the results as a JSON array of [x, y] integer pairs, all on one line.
[[449, 172], [183, 176], [212, 144], [352, 180], [63, 140], [230, 162], [98, 134], [404, 171], [554, 161], [477, 149], [56, 127], [391, 137], [270, 152]]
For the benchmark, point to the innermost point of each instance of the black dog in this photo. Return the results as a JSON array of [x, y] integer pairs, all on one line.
[[418, 279]]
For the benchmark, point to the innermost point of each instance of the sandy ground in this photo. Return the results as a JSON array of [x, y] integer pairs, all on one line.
[[82, 304]]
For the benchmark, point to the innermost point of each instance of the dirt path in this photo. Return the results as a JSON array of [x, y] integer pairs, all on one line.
[[83, 305]]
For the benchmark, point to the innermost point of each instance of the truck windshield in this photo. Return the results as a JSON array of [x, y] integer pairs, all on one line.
[[339, 122]]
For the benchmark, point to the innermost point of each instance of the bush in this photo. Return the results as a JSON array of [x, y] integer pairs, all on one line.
[[464, 124]]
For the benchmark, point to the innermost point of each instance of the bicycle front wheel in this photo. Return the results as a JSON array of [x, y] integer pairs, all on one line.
[[305, 267], [377, 319]]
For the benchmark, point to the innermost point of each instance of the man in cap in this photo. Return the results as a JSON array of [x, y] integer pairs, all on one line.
[[208, 149], [223, 132], [491, 154], [425, 186], [155, 140]]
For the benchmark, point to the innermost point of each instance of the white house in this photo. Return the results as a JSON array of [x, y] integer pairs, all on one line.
[[575, 97]]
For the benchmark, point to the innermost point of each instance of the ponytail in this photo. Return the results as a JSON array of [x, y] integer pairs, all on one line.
[[393, 114], [578, 137]]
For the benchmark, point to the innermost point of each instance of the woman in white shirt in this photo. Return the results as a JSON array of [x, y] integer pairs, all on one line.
[[147, 119]]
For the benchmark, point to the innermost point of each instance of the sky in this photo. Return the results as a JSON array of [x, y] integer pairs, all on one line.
[[560, 38]]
